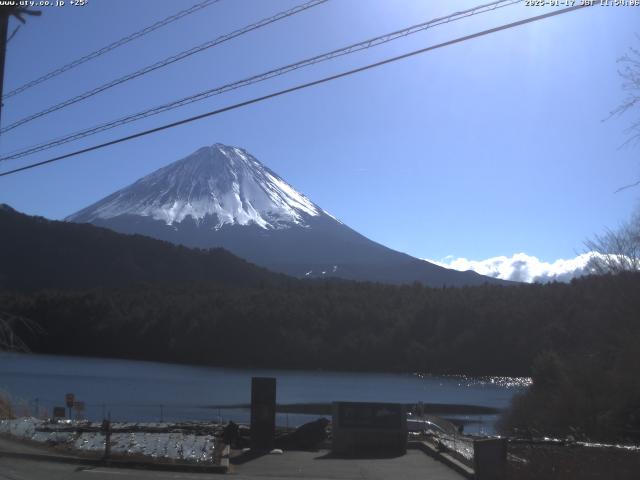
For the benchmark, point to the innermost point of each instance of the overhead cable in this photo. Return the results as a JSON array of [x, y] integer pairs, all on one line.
[[112, 46], [298, 87], [366, 44], [163, 63]]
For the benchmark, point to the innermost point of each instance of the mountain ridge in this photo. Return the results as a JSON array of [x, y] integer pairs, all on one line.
[[37, 253], [222, 196]]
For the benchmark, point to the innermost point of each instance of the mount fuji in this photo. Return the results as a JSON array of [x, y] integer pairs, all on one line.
[[222, 196]]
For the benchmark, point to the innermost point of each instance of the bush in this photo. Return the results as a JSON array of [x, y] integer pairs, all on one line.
[[589, 397], [6, 410]]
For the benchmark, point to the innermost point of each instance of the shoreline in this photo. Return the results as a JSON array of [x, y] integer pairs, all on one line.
[[519, 380], [325, 408]]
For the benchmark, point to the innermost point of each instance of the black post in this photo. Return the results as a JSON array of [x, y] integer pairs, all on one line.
[[106, 428], [263, 413], [490, 458], [69, 399]]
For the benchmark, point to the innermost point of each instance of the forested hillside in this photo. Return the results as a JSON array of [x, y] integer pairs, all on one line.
[[477, 330], [37, 253]]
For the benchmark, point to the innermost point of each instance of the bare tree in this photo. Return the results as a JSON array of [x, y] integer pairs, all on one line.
[[617, 250], [629, 71], [9, 340]]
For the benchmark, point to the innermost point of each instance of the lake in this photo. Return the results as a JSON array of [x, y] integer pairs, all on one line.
[[148, 391]]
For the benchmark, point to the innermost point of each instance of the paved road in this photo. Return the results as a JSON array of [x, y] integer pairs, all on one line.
[[318, 466], [7, 445], [304, 465], [290, 465], [12, 469]]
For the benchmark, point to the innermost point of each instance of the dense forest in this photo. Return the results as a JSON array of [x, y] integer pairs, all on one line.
[[36, 253], [488, 330]]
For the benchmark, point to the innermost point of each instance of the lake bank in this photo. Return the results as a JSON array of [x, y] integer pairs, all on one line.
[[148, 391], [326, 408]]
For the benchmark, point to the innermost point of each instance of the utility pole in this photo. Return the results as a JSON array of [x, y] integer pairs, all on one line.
[[5, 13]]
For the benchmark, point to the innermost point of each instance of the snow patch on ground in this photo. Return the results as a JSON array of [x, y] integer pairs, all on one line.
[[172, 445]]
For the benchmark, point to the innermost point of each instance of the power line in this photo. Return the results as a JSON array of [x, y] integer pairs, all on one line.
[[300, 87], [112, 46], [167, 61], [366, 44]]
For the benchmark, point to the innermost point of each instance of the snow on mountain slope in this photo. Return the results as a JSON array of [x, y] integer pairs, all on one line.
[[224, 181], [221, 196]]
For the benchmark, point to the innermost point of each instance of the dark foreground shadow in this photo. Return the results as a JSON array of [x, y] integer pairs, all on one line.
[[247, 457], [361, 456]]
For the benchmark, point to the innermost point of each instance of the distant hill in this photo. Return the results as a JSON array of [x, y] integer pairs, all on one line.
[[36, 253]]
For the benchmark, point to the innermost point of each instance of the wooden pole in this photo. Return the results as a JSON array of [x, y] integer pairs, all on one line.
[[4, 28]]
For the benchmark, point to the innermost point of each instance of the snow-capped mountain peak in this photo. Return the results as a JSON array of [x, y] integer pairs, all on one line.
[[226, 183], [221, 196]]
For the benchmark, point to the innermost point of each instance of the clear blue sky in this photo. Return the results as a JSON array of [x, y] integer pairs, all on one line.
[[485, 148]]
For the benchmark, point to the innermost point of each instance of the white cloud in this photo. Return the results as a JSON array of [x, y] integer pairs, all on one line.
[[521, 267]]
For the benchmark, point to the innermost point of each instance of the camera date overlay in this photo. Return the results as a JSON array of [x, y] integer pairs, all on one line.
[[44, 3], [584, 3]]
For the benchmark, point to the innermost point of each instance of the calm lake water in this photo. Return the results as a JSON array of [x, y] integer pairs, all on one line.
[[148, 391]]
